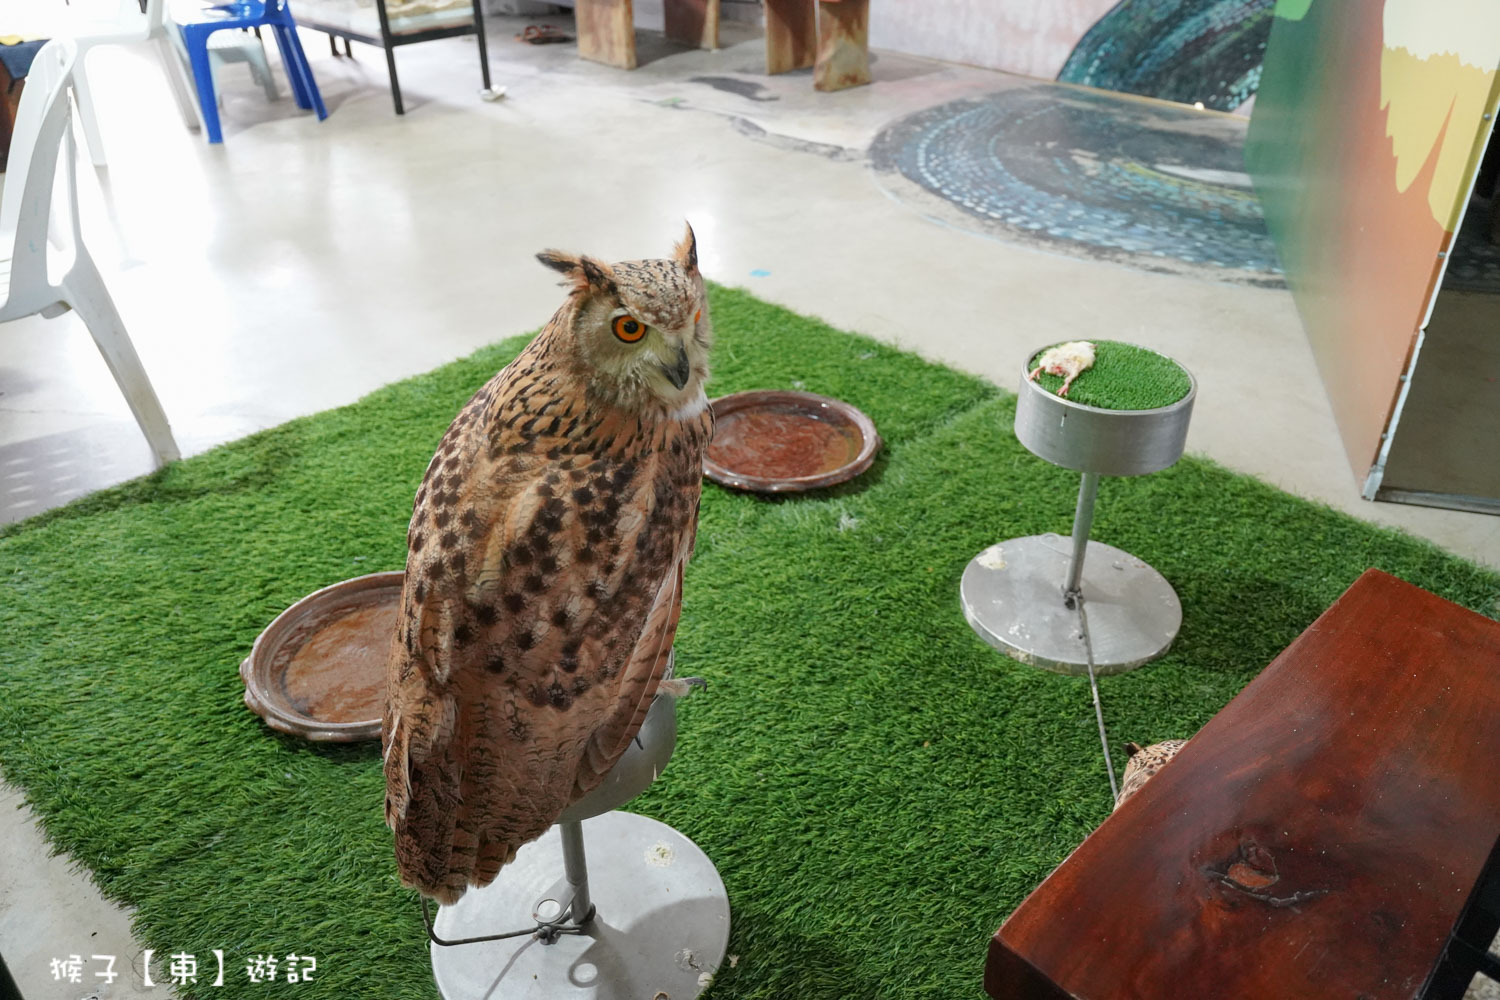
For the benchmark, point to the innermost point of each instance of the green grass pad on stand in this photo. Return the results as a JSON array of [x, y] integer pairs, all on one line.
[[877, 787], [1124, 377]]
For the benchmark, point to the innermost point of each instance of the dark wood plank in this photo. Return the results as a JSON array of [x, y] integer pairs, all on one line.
[[606, 31], [1318, 838], [693, 22], [791, 34], [1009, 976], [843, 44]]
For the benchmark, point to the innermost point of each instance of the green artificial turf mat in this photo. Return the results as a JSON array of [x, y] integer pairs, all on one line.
[[878, 787], [1124, 377]]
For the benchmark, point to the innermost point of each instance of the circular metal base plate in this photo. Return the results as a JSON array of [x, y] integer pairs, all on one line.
[[661, 923], [1012, 596]]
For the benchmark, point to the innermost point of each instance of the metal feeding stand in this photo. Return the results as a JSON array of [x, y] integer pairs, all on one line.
[[641, 913], [1077, 606]]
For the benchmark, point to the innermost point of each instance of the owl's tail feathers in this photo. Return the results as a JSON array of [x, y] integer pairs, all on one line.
[[493, 856], [444, 871], [430, 848], [476, 859], [441, 848], [438, 843], [422, 805]]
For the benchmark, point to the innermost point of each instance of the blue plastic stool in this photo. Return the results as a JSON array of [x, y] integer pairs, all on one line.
[[249, 14]]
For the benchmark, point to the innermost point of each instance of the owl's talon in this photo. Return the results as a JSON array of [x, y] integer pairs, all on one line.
[[681, 687]]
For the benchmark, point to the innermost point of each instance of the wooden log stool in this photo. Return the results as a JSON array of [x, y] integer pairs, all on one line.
[[832, 36], [606, 28]]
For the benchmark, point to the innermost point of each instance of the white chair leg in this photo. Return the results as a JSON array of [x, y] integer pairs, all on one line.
[[171, 65], [85, 292], [216, 70], [86, 111], [260, 68]]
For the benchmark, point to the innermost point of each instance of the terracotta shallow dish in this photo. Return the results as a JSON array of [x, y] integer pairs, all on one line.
[[774, 441], [318, 670]]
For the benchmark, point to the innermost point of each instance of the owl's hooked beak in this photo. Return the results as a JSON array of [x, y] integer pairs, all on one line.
[[679, 371]]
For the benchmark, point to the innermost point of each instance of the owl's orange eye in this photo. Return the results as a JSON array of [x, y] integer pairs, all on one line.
[[698, 317], [629, 329]]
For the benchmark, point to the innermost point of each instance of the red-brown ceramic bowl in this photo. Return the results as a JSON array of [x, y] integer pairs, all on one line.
[[318, 670], [775, 441]]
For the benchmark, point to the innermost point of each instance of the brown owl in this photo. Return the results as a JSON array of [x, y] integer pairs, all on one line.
[[544, 570], [1144, 762]]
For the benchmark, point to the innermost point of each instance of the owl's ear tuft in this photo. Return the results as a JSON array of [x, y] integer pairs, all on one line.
[[586, 272], [686, 252], [567, 263], [598, 274], [1131, 749]]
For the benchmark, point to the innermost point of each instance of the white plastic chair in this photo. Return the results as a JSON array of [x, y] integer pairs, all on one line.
[[128, 26], [225, 47], [26, 212]]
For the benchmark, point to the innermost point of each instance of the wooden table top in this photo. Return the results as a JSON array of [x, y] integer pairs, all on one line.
[[1318, 838]]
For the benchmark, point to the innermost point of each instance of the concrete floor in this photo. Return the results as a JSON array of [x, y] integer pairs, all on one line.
[[302, 264]]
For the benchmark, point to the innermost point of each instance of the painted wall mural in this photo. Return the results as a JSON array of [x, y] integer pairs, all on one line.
[[1204, 51], [1366, 133]]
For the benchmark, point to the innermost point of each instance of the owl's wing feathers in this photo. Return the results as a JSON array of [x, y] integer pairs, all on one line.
[[638, 683], [529, 658]]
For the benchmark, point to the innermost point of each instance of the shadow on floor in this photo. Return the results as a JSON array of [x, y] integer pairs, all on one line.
[[44, 472]]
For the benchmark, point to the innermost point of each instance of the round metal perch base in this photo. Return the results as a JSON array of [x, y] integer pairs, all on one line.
[[660, 920], [1013, 596]]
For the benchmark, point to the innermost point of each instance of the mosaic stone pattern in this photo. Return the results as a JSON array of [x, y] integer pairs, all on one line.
[[1088, 174], [1193, 51]]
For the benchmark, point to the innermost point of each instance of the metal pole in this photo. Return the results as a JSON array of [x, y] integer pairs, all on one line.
[[576, 870], [1083, 519], [484, 55]]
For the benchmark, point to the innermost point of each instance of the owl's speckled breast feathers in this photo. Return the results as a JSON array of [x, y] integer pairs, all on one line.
[[544, 570]]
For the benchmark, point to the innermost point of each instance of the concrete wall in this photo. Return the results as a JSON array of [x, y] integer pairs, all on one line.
[[1033, 37]]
